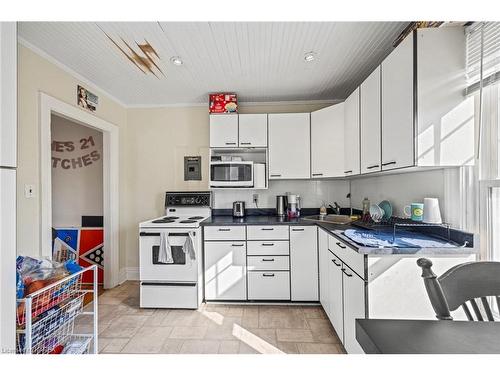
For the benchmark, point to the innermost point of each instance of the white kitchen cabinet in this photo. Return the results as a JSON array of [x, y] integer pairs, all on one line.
[[8, 94], [445, 126], [336, 295], [252, 130], [224, 130], [327, 142], [289, 145], [225, 270], [323, 270], [269, 285], [398, 107], [225, 233], [354, 308], [351, 134], [304, 263], [370, 123]]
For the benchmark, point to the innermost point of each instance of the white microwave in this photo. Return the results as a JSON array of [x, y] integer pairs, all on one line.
[[231, 174]]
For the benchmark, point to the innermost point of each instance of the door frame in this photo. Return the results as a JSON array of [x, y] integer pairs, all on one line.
[[48, 106]]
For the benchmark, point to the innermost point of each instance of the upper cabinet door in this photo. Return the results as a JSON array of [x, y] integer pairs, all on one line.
[[327, 146], [398, 107], [8, 94], [370, 123], [253, 130], [289, 145], [351, 134], [224, 130]]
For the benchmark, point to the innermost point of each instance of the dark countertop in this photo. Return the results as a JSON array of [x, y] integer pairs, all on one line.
[[254, 220], [336, 230], [381, 336]]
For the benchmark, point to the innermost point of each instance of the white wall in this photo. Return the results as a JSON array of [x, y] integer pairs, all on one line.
[[75, 191], [312, 193], [38, 74], [401, 189]]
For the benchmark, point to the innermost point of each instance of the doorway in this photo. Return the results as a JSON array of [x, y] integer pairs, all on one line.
[[77, 194], [51, 108]]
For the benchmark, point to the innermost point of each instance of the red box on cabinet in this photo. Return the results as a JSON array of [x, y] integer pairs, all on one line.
[[222, 103]]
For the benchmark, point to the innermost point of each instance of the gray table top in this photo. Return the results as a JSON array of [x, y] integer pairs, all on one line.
[[386, 336]]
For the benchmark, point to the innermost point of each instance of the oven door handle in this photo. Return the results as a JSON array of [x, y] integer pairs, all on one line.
[[152, 234]]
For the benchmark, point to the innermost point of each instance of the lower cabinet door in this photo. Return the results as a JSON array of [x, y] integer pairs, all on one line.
[[336, 295], [324, 267], [225, 271], [354, 308], [269, 285], [304, 263]]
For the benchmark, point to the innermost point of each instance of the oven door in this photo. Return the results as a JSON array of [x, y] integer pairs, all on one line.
[[237, 174], [182, 268]]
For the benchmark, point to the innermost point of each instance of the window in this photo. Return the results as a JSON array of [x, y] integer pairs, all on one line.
[[483, 80]]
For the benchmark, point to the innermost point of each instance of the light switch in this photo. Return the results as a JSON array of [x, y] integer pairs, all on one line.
[[29, 191]]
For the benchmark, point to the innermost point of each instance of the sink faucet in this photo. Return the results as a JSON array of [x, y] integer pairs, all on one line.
[[336, 209]]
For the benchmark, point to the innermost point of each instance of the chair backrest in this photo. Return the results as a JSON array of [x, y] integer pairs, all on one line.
[[469, 285]]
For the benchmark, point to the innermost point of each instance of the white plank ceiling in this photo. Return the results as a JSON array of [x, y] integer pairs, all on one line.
[[260, 61]]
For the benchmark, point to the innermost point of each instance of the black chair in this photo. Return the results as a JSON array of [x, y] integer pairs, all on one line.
[[468, 285]]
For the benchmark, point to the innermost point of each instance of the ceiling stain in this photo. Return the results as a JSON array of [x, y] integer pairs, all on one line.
[[143, 59]]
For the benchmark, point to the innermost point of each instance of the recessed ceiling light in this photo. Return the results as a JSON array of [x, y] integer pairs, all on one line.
[[176, 60], [309, 56]]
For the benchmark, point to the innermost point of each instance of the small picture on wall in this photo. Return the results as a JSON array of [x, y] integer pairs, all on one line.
[[86, 99]]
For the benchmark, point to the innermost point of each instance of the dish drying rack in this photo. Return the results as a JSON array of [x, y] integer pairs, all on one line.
[[46, 318], [394, 223]]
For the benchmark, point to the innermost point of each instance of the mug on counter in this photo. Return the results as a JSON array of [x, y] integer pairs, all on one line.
[[415, 211]]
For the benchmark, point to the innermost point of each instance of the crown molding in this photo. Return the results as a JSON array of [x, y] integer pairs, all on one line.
[[243, 104], [68, 70]]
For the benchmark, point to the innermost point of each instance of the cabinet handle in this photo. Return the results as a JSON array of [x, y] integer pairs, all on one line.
[[317, 174], [266, 228], [237, 245], [268, 274], [389, 163], [340, 245], [230, 143], [372, 166], [224, 229], [345, 273], [267, 244], [268, 260], [334, 262], [348, 171], [275, 175], [298, 229], [245, 143]]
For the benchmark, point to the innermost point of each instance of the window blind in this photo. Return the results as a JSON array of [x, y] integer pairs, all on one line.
[[491, 54]]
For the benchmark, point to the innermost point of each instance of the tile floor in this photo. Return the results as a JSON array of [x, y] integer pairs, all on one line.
[[214, 328]]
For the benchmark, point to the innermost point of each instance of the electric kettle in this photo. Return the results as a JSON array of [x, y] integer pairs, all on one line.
[[238, 209]]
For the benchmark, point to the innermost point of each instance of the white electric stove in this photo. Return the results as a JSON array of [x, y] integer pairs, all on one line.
[[179, 282]]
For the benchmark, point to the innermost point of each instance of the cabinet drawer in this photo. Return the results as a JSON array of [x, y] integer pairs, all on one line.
[[225, 233], [268, 248], [267, 232], [349, 256], [264, 263], [269, 285]]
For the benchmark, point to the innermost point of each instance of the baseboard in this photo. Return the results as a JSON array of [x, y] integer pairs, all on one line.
[[132, 273], [128, 273], [122, 277]]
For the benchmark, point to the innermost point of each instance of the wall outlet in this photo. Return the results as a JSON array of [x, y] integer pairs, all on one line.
[[29, 191], [256, 199]]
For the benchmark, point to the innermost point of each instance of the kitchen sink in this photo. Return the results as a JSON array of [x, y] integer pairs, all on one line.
[[334, 219]]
